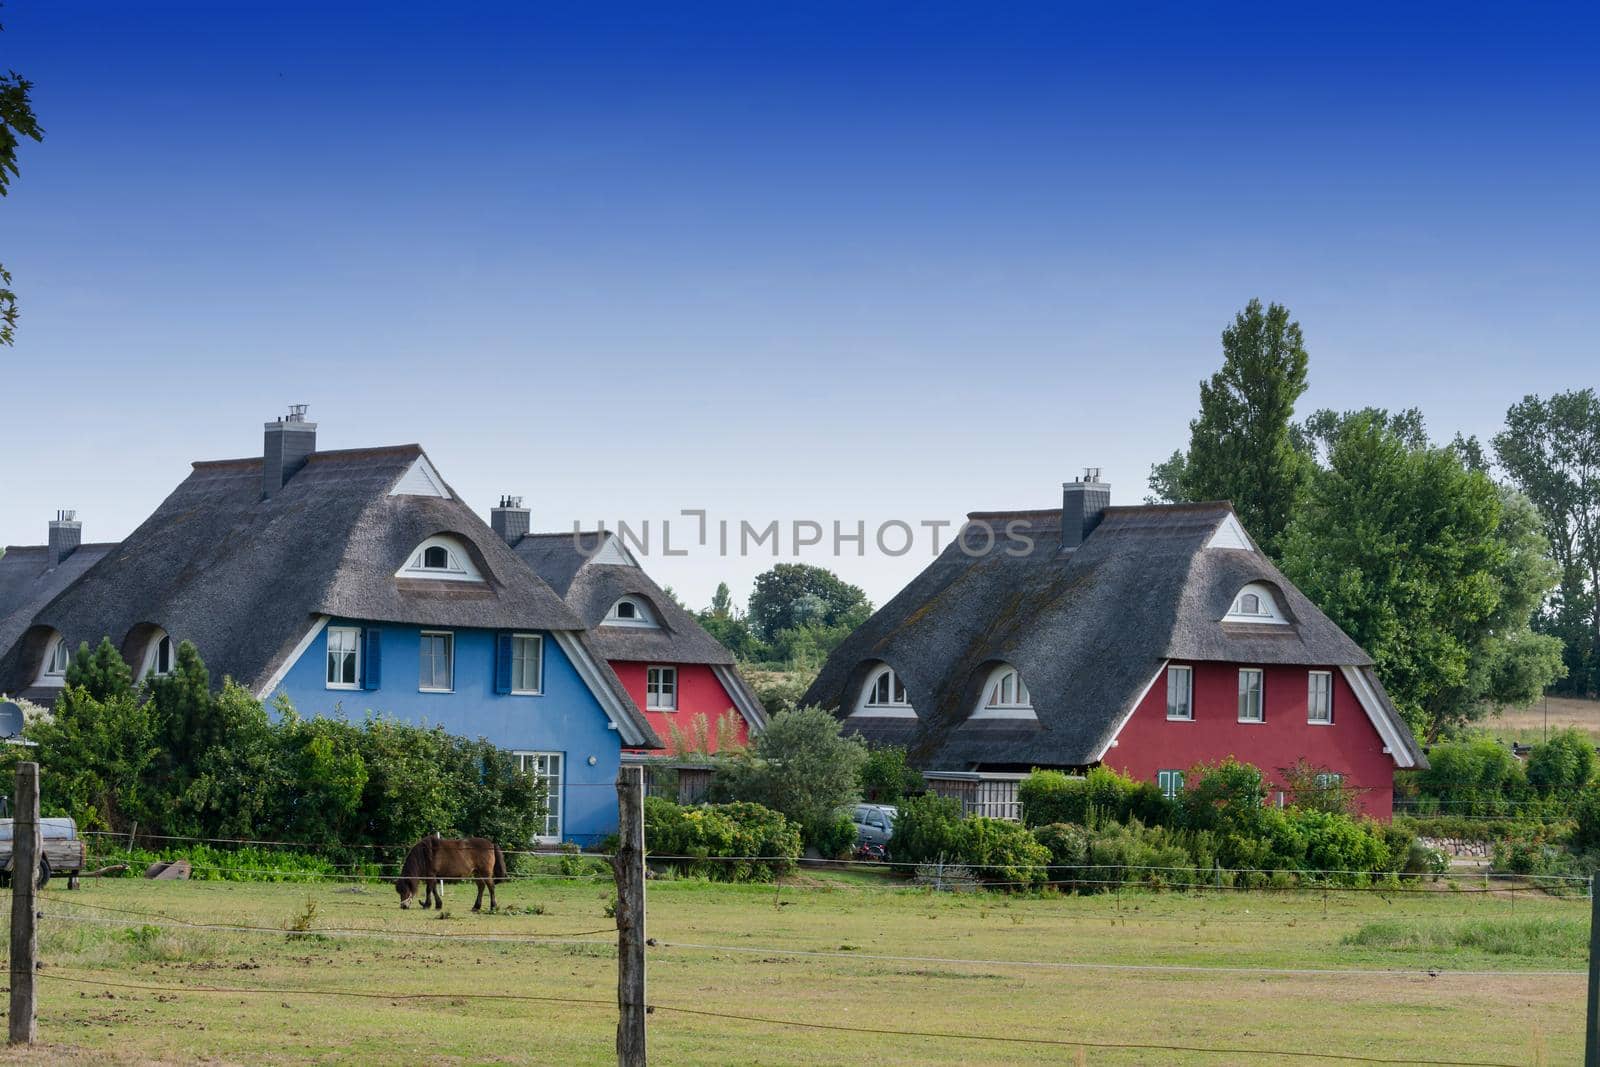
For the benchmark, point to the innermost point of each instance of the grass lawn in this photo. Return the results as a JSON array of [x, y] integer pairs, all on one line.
[[1496, 1015], [1527, 725]]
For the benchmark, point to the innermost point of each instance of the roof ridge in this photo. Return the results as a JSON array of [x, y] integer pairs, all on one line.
[[320, 454]]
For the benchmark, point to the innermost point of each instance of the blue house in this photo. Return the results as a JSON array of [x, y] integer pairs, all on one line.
[[355, 582]]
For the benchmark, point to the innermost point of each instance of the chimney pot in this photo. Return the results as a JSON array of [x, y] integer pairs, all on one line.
[[66, 534], [1083, 504], [510, 519], [287, 444]]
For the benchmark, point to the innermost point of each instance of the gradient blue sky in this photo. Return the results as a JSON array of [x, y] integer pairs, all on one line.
[[820, 262]]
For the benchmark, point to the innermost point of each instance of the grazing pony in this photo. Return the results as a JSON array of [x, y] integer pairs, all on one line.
[[435, 858]]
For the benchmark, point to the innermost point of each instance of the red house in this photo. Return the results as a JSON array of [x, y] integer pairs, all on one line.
[[681, 678], [1146, 639]]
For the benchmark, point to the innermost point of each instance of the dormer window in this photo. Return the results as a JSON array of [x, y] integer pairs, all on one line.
[[1256, 603], [441, 557], [884, 696], [630, 611], [57, 655], [1005, 696], [159, 658]]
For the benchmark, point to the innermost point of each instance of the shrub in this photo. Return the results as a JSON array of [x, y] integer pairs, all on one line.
[[800, 765], [1563, 764], [1068, 846], [886, 778], [1340, 843], [1003, 852], [1053, 797], [1132, 853], [1586, 835], [1476, 777], [1226, 796], [704, 840], [834, 839], [927, 829]]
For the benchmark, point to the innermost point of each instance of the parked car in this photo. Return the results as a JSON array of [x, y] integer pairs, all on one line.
[[874, 823], [63, 851]]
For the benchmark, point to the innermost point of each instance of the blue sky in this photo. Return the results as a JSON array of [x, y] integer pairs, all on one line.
[[820, 263]]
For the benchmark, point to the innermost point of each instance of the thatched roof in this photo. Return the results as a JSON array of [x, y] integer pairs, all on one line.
[[1088, 628], [245, 577], [27, 584]]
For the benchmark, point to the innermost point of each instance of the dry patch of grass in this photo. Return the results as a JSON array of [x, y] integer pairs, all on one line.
[[1527, 725]]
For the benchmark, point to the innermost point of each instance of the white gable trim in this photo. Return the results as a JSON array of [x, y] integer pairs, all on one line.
[[1128, 714], [754, 715], [420, 479], [613, 552], [594, 678], [276, 678], [1230, 534], [1372, 704]]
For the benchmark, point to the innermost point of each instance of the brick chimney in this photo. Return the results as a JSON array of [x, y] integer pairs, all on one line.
[[1083, 504], [287, 444], [510, 519], [66, 534]]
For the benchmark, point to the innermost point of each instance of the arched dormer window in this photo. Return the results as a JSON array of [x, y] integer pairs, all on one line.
[[160, 655], [1005, 696], [53, 666], [1256, 603], [884, 695], [441, 557], [631, 611]]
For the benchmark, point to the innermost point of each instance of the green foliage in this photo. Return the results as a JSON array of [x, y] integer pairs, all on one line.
[[886, 778], [691, 838], [1472, 777], [1226, 796], [245, 864], [798, 594], [17, 121], [1551, 451], [701, 741], [1312, 786], [1067, 844], [103, 673], [1538, 938], [1424, 564], [1102, 794], [801, 765], [835, 838], [1563, 764], [188, 761], [779, 691], [1241, 446], [1478, 828], [927, 828], [1053, 797], [1586, 836]]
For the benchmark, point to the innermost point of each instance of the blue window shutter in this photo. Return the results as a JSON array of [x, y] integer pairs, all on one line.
[[502, 663], [371, 662]]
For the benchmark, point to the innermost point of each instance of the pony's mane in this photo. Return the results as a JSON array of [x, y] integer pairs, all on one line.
[[418, 861]]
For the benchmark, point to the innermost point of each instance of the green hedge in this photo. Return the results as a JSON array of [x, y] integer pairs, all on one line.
[[690, 839], [930, 829]]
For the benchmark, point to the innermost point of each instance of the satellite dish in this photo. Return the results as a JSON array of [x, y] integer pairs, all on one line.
[[10, 719]]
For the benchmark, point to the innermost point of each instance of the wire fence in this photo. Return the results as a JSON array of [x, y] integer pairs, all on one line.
[[562, 867]]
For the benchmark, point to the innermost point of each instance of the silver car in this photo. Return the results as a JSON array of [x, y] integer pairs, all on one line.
[[874, 823]]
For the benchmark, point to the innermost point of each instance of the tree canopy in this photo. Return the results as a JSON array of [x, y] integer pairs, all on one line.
[[1428, 565], [17, 121], [1550, 449], [1242, 445]]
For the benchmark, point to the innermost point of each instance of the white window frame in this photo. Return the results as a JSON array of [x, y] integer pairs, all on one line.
[[354, 651], [538, 764], [660, 682], [152, 656], [1267, 610], [1260, 694], [1170, 782], [643, 617], [1004, 696], [538, 660], [1311, 693], [1187, 674], [458, 562], [868, 704], [450, 660]]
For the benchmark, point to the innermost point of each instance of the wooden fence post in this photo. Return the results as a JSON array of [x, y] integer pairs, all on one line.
[[628, 865], [1591, 1042], [24, 903]]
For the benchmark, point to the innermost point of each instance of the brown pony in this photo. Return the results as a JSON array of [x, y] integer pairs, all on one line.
[[435, 858]]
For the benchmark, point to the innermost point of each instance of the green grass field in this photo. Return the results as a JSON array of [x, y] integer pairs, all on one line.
[[855, 924]]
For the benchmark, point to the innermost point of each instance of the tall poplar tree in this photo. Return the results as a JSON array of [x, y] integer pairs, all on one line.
[[1242, 446]]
